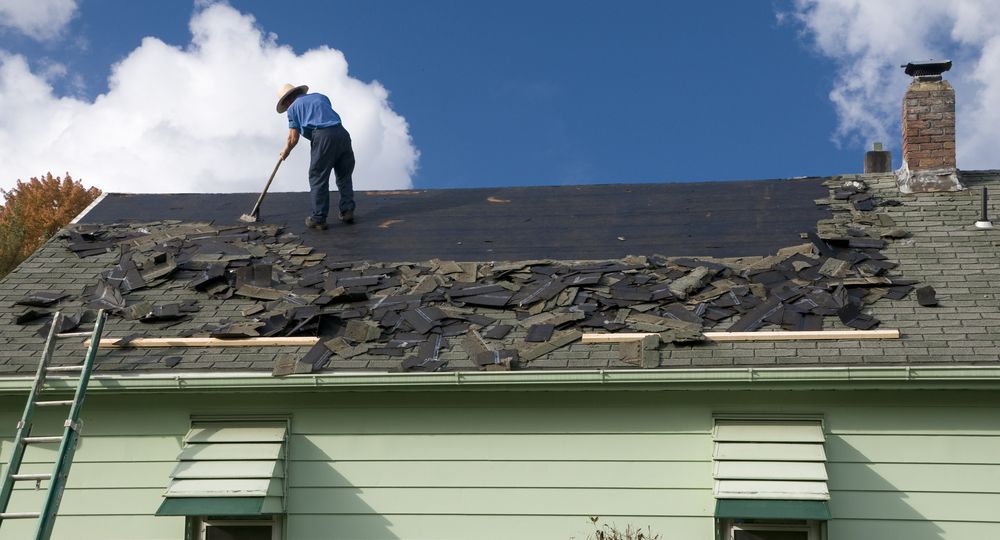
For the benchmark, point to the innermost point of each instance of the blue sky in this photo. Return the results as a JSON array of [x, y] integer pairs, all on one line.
[[522, 93]]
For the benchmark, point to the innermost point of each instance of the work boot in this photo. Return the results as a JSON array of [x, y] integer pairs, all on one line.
[[313, 224], [347, 216]]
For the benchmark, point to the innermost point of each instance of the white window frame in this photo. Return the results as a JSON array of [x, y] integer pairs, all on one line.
[[812, 528], [204, 523]]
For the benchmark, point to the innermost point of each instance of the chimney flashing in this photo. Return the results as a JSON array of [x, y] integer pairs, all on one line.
[[928, 180]]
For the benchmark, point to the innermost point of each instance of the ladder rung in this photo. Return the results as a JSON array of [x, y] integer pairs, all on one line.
[[74, 334], [36, 476], [54, 403], [42, 440], [19, 515], [64, 368]]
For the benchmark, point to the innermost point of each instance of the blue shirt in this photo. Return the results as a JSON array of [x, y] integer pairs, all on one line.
[[311, 111]]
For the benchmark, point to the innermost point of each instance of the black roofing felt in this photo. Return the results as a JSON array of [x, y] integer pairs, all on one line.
[[720, 219]]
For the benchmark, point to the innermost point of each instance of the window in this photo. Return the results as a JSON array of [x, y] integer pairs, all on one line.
[[772, 531], [238, 529]]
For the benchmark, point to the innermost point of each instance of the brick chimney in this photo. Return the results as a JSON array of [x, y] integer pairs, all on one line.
[[928, 131]]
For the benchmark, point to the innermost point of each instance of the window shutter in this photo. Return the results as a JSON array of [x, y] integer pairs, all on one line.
[[229, 469], [770, 459]]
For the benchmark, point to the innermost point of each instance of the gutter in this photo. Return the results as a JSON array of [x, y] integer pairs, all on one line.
[[817, 378]]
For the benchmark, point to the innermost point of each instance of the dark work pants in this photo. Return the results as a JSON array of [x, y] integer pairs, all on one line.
[[330, 151]]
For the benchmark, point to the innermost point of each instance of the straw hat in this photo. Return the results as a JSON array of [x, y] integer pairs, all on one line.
[[286, 91]]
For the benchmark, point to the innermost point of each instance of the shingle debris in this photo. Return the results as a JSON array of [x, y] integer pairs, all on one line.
[[504, 315], [927, 296]]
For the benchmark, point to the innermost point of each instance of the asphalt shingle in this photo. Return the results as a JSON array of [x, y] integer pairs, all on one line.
[[942, 250]]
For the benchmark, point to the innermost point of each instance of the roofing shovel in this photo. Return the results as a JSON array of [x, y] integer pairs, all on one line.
[[252, 216]]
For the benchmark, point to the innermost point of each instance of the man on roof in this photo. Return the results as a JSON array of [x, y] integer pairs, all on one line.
[[312, 116]]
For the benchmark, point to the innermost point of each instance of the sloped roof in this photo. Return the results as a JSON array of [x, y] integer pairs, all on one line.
[[564, 225], [721, 219]]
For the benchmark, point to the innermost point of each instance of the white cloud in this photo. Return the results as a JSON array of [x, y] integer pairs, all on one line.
[[40, 19], [196, 119], [870, 39]]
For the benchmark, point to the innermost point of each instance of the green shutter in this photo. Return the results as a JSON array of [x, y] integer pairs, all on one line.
[[211, 506], [229, 469], [770, 460], [771, 509]]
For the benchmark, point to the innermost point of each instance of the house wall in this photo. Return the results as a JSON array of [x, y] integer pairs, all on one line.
[[916, 465]]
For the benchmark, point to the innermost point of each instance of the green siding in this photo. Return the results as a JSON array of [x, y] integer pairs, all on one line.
[[931, 477], [501, 474], [120, 527], [459, 527], [909, 530], [90, 502], [925, 448], [915, 465], [503, 501], [502, 447], [981, 507]]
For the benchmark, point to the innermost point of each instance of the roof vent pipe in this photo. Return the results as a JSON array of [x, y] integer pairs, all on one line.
[[878, 160], [984, 221]]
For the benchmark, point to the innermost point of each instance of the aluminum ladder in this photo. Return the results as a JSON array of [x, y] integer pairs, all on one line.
[[67, 441]]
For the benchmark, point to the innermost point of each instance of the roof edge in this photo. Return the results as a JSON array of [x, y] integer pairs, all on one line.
[[93, 204], [597, 183], [749, 378]]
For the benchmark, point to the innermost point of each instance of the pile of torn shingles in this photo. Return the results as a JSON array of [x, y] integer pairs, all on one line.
[[415, 310]]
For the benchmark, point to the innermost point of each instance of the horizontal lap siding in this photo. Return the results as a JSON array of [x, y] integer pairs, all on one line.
[[500, 474], [429, 526], [929, 477], [119, 473], [534, 465], [442, 474], [99, 527], [930, 473], [615, 447], [430, 471], [114, 488], [878, 529]]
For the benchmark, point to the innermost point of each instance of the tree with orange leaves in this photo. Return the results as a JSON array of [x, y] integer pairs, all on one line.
[[35, 210]]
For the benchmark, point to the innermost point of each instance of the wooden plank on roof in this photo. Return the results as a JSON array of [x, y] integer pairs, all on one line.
[[756, 336], [295, 341], [305, 341]]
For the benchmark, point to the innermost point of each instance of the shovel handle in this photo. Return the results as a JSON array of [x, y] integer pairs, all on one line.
[[256, 207]]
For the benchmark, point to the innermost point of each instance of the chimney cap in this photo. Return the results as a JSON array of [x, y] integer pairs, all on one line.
[[926, 68]]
